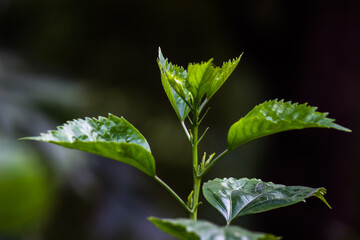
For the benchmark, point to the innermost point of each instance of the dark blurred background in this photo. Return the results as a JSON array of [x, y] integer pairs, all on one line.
[[66, 59]]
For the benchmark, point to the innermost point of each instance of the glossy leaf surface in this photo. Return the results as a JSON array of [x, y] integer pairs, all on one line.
[[222, 74], [171, 72], [277, 116], [191, 85], [238, 197], [187, 229], [110, 137], [199, 79]]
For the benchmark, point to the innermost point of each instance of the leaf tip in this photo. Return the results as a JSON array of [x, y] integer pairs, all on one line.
[[161, 60], [239, 57], [35, 138], [320, 194], [341, 128], [110, 115], [24, 138]]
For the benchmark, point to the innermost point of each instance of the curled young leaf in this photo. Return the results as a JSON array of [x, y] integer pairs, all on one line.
[[277, 116], [200, 80], [110, 137], [187, 229], [175, 75], [238, 197]]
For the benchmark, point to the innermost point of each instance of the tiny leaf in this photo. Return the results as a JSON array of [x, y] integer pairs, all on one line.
[[277, 116], [239, 197], [111, 137], [186, 229]]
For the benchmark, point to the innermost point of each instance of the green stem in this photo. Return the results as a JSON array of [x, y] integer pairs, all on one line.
[[173, 193], [197, 186], [213, 162], [197, 179]]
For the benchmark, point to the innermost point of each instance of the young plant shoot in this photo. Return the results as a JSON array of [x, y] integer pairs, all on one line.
[[189, 91]]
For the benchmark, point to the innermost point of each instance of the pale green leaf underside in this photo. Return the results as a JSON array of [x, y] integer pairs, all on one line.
[[186, 229], [239, 197], [177, 102], [110, 137], [277, 116]]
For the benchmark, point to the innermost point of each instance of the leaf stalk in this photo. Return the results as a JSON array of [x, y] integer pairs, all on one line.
[[186, 130], [203, 104], [173, 193]]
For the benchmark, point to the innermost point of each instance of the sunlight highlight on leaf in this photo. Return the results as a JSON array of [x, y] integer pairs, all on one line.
[[277, 116], [238, 197], [111, 137]]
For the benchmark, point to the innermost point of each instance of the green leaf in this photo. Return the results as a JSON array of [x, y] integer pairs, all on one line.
[[111, 137], [187, 229], [199, 80], [239, 197], [170, 72], [277, 116], [221, 75], [191, 85]]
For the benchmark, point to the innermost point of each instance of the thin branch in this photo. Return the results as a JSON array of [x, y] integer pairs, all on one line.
[[173, 194], [204, 115], [203, 134], [191, 122]]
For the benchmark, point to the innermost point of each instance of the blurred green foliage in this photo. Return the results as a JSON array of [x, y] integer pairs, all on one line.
[[26, 194]]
